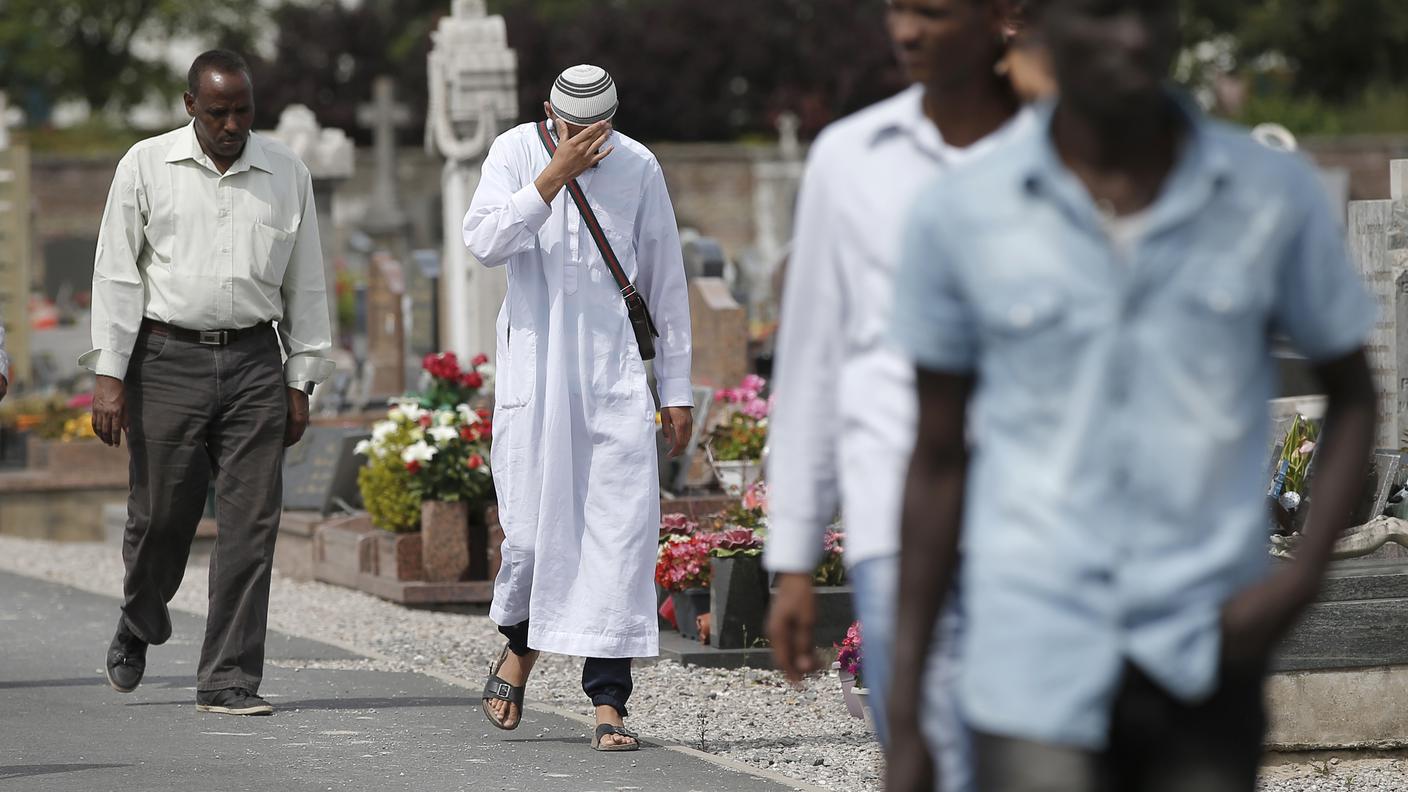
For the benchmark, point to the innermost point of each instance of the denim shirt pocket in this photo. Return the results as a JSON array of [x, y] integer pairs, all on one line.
[[1029, 336], [1224, 326]]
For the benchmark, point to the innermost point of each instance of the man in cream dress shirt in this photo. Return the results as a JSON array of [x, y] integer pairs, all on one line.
[[210, 237]]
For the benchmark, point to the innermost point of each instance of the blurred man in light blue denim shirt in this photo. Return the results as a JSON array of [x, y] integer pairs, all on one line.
[[1094, 301]]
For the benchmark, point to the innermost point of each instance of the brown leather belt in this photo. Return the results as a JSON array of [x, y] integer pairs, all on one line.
[[207, 337]]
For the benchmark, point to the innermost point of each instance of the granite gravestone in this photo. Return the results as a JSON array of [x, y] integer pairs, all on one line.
[[15, 247], [320, 471]]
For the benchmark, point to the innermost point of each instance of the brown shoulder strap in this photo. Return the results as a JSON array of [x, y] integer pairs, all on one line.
[[593, 225]]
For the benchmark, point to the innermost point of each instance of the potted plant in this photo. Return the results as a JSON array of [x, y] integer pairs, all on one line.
[[738, 591], [427, 463], [682, 568], [848, 668], [673, 524], [834, 609], [735, 444]]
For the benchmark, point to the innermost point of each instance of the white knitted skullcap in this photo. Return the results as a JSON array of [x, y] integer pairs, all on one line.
[[584, 95]]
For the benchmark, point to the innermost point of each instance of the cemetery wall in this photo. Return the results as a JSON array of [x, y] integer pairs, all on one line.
[[1363, 156]]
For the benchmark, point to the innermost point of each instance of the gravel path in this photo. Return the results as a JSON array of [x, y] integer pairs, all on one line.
[[748, 715]]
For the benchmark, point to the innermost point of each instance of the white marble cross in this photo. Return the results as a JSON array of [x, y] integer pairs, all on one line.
[[383, 116]]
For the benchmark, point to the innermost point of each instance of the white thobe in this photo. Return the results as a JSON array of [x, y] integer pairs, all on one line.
[[574, 452]]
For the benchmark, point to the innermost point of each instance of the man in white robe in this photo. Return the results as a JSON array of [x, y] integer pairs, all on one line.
[[574, 453]]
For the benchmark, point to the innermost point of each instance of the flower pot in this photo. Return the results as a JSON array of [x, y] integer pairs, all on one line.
[[737, 475], [689, 604], [862, 697], [396, 556], [445, 541], [848, 692], [738, 600], [834, 614], [660, 596]]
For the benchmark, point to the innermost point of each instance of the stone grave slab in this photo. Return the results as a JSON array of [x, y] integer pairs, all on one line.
[[320, 472], [1368, 239]]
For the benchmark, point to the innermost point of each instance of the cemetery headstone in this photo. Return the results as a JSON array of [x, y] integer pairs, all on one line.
[[720, 328], [473, 95], [1368, 240], [704, 258], [15, 253], [386, 330], [1397, 245], [320, 471]]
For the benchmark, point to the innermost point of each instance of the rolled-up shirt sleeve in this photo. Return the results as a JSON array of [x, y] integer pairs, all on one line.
[[933, 321], [117, 282], [305, 329]]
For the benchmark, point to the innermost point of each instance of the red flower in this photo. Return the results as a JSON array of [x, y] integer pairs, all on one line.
[[413, 467], [485, 428], [472, 380], [479, 360], [468, 434], [425, 421], [475, 461]]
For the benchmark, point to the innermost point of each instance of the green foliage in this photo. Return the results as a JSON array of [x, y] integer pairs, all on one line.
[[53, 50], [1378, 110], [1317, 66], [386, 487], [739, 437]]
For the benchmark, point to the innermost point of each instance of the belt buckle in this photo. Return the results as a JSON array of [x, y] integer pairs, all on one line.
[[212, 337]]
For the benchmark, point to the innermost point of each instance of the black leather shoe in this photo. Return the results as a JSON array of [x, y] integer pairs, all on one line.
[[232, 701], [127, 659]]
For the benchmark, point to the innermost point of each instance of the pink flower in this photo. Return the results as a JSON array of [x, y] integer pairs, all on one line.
[[677, 525], [756, 408], [753, 383], [739, 539]]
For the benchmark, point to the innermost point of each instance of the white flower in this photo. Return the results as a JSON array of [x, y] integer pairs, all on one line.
[[467, 415], [411, 413], [417, 434], [363, 448], [443, 434], [445, 417], [418, 452], [382, 430]]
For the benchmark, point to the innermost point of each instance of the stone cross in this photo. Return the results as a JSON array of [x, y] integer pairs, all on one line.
[[383, 116]]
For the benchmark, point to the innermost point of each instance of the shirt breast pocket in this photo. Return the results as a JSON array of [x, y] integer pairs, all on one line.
[[1029, 336], [1224, 326], [272, 248]]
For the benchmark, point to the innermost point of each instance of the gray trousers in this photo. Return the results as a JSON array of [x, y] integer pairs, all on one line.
[[195, 411]]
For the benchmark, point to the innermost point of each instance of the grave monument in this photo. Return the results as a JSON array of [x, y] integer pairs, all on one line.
[[473, 97]]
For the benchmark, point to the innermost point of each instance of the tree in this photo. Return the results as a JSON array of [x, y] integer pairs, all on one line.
[[1336, 49], [686, 70], [103, 51]]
